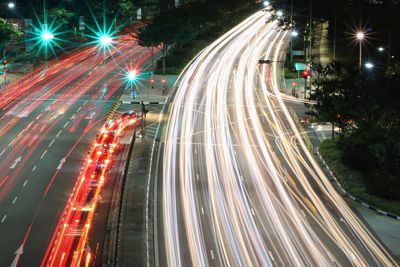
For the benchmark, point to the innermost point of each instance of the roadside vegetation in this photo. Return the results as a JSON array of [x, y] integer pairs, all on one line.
[[182, 32], [365, 105], [352, 180]]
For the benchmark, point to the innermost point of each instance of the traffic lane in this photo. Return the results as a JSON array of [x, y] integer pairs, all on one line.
[[57, 196], [100, 226], [44, 170]]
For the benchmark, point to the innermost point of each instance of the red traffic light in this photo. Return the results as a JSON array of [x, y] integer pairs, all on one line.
[[4, 61], [294, 84], [305, 74], [163, 80], [151, 80]]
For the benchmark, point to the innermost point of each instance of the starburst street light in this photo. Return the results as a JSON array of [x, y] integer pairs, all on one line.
[[11, 5], [369, 65], [132, 75], [360, 35], [279, 13], [105, 40], [266, 3], [47, 36], [295, 33]]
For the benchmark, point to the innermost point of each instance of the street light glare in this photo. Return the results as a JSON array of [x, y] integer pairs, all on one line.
[[295, 33], [47, 36], [105, 40], [360, 35], [369, 65], [279, 13], [380, 49], [11, 5], [132, 75], [266, 3]]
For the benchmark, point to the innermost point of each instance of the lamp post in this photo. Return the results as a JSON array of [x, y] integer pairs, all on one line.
[[47, 37], [11, 5], [360, 37]]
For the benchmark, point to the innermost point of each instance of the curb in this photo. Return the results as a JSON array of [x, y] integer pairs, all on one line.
[[140, 102], [113, 108], [333, 179]]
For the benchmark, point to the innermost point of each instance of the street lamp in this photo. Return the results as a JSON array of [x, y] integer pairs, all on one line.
[[360, 37], [381, 49], [11, 5], [279, 13], [47, 36], [105, 40], [266, 3], [369, 65], [295, 33]]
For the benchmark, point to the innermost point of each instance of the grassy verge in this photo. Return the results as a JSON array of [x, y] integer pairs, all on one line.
[[352, 180]]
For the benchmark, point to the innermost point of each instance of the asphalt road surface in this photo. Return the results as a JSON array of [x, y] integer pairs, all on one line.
[[48, 119], [239, 186]]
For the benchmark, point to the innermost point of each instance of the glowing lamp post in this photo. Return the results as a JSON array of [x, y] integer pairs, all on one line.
[[47, 36], [360, 37], [11, 5], [105, 40], [369, 65]]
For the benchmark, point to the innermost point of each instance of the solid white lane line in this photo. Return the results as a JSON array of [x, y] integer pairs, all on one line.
[[44, 153]]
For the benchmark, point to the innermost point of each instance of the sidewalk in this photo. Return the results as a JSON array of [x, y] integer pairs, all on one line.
[[321, 51], [132, 246], [148, 92]]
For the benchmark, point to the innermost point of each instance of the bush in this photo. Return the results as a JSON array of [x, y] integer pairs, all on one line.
[[376, 187]]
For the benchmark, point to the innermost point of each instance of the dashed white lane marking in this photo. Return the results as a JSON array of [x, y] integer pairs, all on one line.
[[59, 133], [51, 143], [34, 168], [15, 199], [26, 181], [2, 152], [11, 143], [212, 254], [79, 109], [4, 218], [65, 125], [270, 254], [202, 210], [44, 153]]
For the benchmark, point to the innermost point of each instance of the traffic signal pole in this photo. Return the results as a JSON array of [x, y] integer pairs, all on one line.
[[143, 119]]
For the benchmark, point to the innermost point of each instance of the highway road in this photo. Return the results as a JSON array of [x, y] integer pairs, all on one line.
[[239, 186], [48, 120]]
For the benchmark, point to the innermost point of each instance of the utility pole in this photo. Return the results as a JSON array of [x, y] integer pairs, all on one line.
[[291, 37], [144, 111], [334, 33], [389, 48], [310, 31]]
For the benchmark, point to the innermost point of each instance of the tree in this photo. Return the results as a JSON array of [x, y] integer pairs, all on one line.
[[366, 106], [7, 32], [339, 97], [60, 17]]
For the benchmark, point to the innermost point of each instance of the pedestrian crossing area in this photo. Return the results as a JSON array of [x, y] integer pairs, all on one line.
[[152, 124]]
